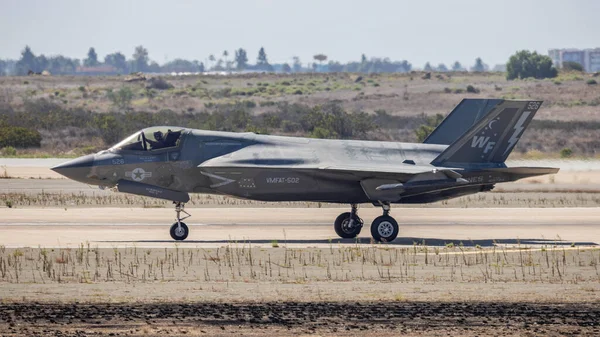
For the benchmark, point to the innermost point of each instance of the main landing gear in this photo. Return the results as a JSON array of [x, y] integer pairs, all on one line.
[[179, 230], [383, 229], [348, 225]]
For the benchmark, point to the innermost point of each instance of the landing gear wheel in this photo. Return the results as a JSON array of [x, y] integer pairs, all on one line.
[[346, 229], [384, 229], [179, 231]]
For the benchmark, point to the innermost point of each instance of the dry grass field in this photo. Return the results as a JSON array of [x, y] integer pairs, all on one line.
[[567, 97], [568, 100], [341, 290]]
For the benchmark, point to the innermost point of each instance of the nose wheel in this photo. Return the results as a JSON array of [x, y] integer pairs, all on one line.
[[179, 230]]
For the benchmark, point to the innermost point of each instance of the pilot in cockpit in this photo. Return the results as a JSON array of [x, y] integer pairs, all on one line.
[[159, 143]]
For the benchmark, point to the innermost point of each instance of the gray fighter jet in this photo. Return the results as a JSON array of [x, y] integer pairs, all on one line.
[[465, 154]]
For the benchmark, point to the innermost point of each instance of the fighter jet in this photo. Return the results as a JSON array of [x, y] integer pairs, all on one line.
[[464, 155]]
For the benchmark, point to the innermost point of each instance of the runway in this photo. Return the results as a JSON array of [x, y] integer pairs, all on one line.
[[294, 227]]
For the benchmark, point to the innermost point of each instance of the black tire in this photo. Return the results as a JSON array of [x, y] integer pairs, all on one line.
[[341, 226], [384, 229], [179, 235]]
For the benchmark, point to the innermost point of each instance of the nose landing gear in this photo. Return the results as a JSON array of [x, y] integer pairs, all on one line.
[[179, 230]]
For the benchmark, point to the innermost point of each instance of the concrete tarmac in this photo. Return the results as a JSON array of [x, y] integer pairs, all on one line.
[[295, 227]]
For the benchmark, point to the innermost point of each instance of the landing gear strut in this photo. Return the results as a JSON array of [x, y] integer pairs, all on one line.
[[348, 225], [384, 228], [179, 230]]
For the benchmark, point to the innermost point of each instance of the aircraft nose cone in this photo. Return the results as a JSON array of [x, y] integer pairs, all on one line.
[[76, 169]]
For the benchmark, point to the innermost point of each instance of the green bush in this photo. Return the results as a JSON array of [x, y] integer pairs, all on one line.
[[8, 151], [320, 132], [158, 83], [122, 98], [566, 153], [110, 129], [248, 104], [271, 121], [332, 121], [19, 137], [87, 150], [472, 89], [591, 81], [267, 103], [525, 64], [289, 126], [424, 130], [572, 66]]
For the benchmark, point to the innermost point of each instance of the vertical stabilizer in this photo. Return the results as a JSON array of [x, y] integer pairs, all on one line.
[[492, 138], [468, 112]]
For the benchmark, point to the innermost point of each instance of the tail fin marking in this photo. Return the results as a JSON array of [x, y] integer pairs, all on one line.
[[493, 137]]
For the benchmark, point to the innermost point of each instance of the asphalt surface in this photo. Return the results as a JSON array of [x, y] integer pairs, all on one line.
[[299, 227]]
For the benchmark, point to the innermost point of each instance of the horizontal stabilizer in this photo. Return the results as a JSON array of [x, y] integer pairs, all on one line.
[[526, 171], [392, 189]]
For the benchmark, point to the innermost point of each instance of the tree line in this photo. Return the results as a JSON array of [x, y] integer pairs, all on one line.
[[522, 64], [118, 63]]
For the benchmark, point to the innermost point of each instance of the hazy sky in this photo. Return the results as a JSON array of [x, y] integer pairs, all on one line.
[[418, 31]]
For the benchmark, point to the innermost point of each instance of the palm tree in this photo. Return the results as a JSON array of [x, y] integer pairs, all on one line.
[[225, 54], [212, 59]]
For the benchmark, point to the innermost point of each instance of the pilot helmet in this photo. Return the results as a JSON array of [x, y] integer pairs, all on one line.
[[158, 135]]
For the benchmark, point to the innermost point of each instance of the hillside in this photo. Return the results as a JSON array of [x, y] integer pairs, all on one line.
[[68, 110]]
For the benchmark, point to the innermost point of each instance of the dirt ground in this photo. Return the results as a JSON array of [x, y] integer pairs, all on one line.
[[298, 319], [345, 290]]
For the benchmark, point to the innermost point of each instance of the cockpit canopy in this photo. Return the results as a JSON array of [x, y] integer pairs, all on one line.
[[151, 139]]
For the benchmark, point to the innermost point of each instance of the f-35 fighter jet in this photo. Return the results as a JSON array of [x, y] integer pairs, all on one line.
[[465, 154]]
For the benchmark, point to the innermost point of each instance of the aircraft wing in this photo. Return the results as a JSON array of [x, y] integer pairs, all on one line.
[[385, 182], [401, 171]]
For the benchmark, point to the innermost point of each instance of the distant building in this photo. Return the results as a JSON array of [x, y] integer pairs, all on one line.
[[588, 58], [97, 70], [499, 68], [594, 60]]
